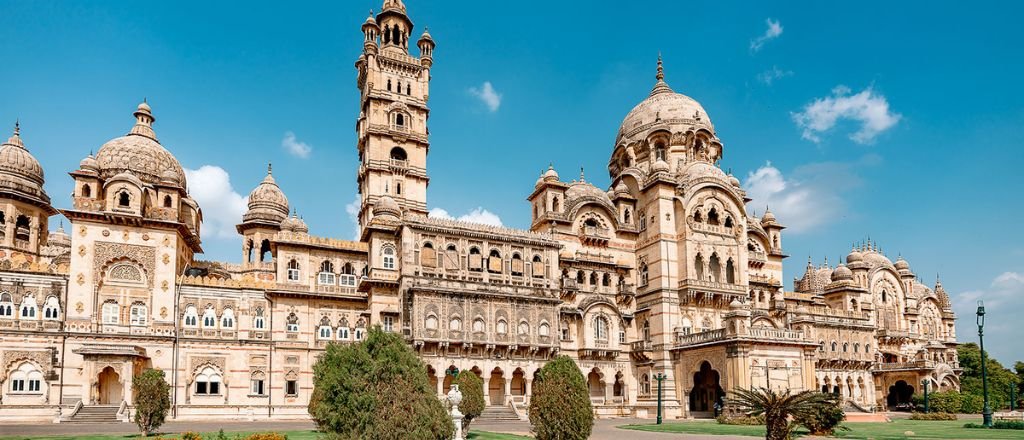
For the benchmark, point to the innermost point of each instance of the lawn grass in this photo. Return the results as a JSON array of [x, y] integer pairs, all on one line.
[[922, 429], [292, 435]]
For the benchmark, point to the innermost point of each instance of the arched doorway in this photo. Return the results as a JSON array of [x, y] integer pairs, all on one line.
[[899, 394], [432, 376], [706, 389], [519, 384], [496, 387], [619, 388], [594, 385], [110, 388]]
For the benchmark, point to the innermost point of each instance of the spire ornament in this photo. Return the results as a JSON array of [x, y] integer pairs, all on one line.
[[661, 70]]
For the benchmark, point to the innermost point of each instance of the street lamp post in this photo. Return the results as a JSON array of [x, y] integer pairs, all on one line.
[[659, 377], [986, 412], [1013, 399], [924, 383]]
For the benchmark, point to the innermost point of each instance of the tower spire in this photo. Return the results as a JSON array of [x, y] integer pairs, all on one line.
[[660, 86], [661, 70]]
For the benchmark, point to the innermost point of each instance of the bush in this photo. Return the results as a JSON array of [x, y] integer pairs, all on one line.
[[998, 424], [932, 416], [945, 402], [740, 420], [267, 436], [971, 404], [560, 407], [152, 400], [825, 420], [472, 388], [191, 436], [376, 389]]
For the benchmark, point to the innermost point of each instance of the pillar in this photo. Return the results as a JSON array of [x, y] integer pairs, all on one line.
[[529, 389], [440, 384], [487, 387], [508, 389]]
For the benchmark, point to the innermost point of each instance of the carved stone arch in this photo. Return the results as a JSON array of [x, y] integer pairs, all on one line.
[[216, 363], [40, 359], [124, 269], [573, 210], [717, 187], [763, 320], [594, 301]]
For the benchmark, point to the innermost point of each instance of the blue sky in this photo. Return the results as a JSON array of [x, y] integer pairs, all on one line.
[[889, 120]]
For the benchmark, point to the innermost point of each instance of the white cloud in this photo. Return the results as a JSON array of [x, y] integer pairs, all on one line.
[[1004, 298], [222, 206], [810, 198], [486, 94], [769, 76], [295, 147], [867, 108], [352, 209], [477, 215], [773, 32]]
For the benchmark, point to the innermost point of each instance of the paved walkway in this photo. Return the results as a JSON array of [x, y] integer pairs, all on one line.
[[603, 429]]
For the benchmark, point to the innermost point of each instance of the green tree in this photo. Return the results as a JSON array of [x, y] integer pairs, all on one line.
[[778, 407], [472, 388], [1000, 379], [560, 406], [152, 400], [376, 389]]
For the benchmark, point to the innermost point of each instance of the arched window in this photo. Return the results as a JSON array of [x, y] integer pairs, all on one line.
[[643, 220], [111, 313], [627, 217], [167, 201], [348, 276], [730, 272], [518, 266], [479, 326], [643, 274], [28, 307], [501, 327], [728, 221], [494, 262], [606, 280], [292, 323], [6, 305], [386, 36], [124, 199], [399, 119], [209, 317], [191, 317], [343, 331], [259, 322], [431, 322], [265, 254], [846, 347], [455, 324], [138, 314], [208, 382], [408, 89], [524, 328], [397, 153], [325, 332], [696, 216], [593, 278], [326, 275], [26, 379], [645, 384], [428, 256], [51, 309], [556, 205], [537, 267], [476, 260], [600, 328], [86, 191], [544, 329], [713, 217], [388, 258], [835, 346], [580, 277], [716, 268], [698, 265], [227, 319], [293, 270], [647, 331]]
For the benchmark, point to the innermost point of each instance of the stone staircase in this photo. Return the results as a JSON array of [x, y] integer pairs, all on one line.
[[497, 414], [96, 414]]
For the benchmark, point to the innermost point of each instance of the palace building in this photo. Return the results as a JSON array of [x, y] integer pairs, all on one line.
[[664, 276]]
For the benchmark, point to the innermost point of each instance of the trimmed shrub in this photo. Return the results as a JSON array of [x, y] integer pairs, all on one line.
[[740, 420], [152, 400], [971, 404], [376, 389], [932, 416], [191, 436], [472, 388], [560, 407], [945, 402], [998, 424], [267, 436], [825, 420]]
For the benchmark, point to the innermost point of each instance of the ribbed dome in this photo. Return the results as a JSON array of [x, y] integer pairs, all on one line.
[[842, 273], [139, 153], [20, 172], [551, 175], [267, 202], [89, 164], [663, 108], [387, 206], [700, 169], [584, 189], [294, 224], [901, 264], [855, 256]]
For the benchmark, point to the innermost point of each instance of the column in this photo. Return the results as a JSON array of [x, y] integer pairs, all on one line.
[[487, 388], [440, 385], [529, 389], [508, 389]]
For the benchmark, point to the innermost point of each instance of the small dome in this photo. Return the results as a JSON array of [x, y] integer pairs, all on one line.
[[901, 264], [768, 218], [734, 181], [170, 177], [735, 304], [581, 189], [20, 171], [660, 166], [842, 273], [621, 189], [662, 108], [267, 202], [139, 153], [294, 224], [700, 169], [426, 36], [387, 206], [89, 164], [551, 175], [854, 256], [59, 238], [803, 309]]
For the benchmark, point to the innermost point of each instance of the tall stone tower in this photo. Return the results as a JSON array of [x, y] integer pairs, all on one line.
[[392, 126]]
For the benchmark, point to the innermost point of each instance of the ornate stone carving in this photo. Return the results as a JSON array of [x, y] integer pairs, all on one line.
[[106, 252], [40, 358]]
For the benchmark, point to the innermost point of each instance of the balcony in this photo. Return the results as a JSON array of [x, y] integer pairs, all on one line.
[[904, 366], [709, 292], [776, 334], [595, 235], [398, 165], [683, 340], [641, 351]]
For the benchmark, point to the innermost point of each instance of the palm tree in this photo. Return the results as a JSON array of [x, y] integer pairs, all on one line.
[[778, 407]]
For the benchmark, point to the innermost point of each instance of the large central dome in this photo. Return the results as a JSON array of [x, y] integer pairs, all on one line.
[[663, 108], [139, 153]]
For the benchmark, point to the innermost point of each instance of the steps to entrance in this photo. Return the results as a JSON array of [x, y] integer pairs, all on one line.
[[96, 414], [497, 414]]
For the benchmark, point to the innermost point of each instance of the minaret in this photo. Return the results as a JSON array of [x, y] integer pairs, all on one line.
[[392, 125]]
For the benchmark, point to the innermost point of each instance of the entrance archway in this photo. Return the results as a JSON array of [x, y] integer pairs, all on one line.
[[706, 389], [111, 392], [496, 387], [432, 376], [899, 393], [519, 383], [594, 384], [619, 388]]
